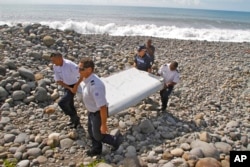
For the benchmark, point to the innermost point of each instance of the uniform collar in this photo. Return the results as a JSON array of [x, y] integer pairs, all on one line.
[[87, 80], [64, 62]]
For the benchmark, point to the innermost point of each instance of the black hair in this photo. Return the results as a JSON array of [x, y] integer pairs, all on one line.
[[56, 54], [87, 62], [175, 64]]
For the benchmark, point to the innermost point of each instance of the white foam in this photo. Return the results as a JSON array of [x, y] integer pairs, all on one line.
[[172, 32]]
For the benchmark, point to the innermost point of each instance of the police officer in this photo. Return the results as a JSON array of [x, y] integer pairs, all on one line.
[[94, 98], [66, 74], [171, 77], [142, 61], [150, 50]]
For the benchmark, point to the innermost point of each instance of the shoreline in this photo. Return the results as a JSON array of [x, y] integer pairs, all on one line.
[[210, 106]]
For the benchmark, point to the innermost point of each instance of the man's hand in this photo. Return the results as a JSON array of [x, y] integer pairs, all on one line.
[[104, 129], [74, 89], [104, 115]]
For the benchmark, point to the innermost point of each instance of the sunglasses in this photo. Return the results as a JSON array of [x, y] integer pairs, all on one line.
[[82, 69]]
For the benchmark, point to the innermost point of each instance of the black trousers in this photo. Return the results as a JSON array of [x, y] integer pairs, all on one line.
[[67, 104], [94, 125], [165, 96]]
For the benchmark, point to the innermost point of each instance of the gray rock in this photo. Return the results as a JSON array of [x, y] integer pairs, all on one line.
[[41, 94], [180, 162], [66, 143], [26, 74], [146, 126], [10, 64], [9, 138], [21, 138], [5, 106], [42, 83], [27, 28], [8, 87], [18, 95], [32, 85], [223, 147], [26, 88], [197, 152], [42, 159], [2, 70], [209, 150], [130, 151], [18, 155], [4, 120], [232, 124], [16, 86], [34, 152], [23, 163], [3, 93], [35, 55]]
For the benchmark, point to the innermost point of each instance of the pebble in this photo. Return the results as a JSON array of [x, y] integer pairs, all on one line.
[[207, 116]]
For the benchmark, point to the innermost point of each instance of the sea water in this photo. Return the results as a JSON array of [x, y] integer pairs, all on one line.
[[174, 23]]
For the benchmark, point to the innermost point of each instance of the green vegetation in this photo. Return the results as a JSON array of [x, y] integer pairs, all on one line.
[[10, 163]]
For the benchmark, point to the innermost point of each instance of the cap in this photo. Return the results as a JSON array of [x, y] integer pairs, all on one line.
[[141, 47]]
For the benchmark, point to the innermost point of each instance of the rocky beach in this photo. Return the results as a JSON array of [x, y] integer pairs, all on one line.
[[207, 117]]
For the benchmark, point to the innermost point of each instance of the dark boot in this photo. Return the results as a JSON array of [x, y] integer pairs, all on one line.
[[118, 142], [114, 141], [74, 121], [93, 152]]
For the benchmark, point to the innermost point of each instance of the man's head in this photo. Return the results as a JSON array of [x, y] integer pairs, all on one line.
[[149, 42], [56, 58], [141, 50], [86, 67], [173, 65]]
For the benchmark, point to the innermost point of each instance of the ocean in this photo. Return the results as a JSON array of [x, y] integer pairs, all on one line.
[[186, 24]]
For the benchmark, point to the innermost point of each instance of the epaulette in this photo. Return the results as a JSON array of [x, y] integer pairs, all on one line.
[[92, 82]]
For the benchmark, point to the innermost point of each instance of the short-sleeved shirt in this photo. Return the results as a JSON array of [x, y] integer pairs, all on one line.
[[143, 63], [68, 72], [168, 75], [94, 93]]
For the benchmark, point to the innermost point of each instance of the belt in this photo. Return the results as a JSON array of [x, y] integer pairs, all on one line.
[[71, 85], [94, 113], [97, 112]]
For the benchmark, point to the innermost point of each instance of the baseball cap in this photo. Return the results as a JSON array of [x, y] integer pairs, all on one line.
[[141, 47]]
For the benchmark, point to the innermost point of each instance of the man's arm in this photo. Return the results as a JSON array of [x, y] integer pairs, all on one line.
[[134, 65], [74, 89], [63, 84], [104, 115], [170, 84]]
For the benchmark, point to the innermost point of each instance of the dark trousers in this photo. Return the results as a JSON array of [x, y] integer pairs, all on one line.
[[165, 96], [94, 125], [67, 104]]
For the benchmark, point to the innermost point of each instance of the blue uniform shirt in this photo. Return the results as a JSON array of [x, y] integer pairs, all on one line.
[[143, 63]]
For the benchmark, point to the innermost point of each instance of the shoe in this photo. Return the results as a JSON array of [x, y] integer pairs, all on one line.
[[92, 153], [69, 123], [161, 109], [119, 140], [74, 125], [158, 108]]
